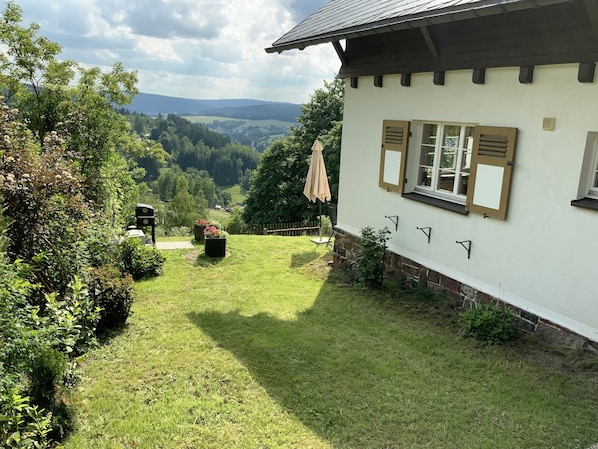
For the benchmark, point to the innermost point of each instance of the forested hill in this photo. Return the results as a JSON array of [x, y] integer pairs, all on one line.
[[193, 146], [285, 112], [153, 105]]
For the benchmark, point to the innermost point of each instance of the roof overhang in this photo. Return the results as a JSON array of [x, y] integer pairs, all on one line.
[[306, 33]]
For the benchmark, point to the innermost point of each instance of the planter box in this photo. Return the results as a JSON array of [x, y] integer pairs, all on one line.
[[198, 233], [215, 247]]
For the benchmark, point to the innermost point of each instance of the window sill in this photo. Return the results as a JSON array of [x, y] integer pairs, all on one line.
[[586, 203], [443, 204]]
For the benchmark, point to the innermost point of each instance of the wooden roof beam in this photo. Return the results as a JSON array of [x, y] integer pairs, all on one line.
[[429, 41], [340, 52], [592, 9]]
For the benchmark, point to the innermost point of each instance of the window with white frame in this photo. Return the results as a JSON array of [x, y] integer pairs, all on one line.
[[587, 192], [445, 160], [593, 176], [457, 166]]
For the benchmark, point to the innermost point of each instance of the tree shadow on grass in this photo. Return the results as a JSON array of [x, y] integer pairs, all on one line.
[[358, 379]]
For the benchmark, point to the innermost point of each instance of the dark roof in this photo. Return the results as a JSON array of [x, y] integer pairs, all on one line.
[[342, 19]]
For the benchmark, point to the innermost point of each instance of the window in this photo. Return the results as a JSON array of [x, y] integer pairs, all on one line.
[[587, 192], [457, 166], [593, 185], [445, 160]]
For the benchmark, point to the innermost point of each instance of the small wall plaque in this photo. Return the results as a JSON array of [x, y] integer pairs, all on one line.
[[548, 123]]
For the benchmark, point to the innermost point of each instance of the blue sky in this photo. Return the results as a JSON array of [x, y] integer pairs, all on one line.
[[204, 49]]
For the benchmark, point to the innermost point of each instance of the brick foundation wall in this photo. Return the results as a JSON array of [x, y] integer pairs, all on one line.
[[462, 295]]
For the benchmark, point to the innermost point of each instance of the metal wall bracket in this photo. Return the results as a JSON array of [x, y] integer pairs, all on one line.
[[394, 219], [426, 230], [467, 245]]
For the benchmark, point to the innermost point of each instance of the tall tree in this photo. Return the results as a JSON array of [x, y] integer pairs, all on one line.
[[78, 103], [276, 193], [75, 166]]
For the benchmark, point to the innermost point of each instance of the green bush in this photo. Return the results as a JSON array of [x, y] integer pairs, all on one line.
[[113, 293], [235, 223], [45, 371], [489, 323], [139, 260], [69, 322], [178, 231], [22, 425], [369, 262], [326, 225]]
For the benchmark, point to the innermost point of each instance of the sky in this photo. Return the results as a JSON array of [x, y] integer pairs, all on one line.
[[201, 49]]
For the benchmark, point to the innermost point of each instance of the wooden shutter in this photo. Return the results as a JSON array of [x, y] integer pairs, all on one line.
[[393, 155], [492, 162]]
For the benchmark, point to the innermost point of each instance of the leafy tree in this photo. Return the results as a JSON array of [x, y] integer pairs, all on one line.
[[276, 193], [43, 197], [268, 201], [78, 103], [245, 180], [184, 208]]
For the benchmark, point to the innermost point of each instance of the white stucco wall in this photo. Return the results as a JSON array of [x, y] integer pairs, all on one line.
[[542, 258]]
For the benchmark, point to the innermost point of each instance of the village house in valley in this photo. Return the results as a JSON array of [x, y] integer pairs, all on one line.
[[471, 131]]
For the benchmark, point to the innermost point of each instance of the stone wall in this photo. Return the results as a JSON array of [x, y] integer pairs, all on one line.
[[462, 295]]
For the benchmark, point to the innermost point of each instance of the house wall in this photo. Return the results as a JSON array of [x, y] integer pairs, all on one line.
[[541, 259]]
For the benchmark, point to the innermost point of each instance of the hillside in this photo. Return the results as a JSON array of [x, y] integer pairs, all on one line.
[[285, 112], [152, 105]]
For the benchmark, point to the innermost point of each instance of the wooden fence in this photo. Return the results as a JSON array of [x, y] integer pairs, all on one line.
[[288, 229]]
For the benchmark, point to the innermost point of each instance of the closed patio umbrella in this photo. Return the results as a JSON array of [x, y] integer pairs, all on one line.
[[316, 184]]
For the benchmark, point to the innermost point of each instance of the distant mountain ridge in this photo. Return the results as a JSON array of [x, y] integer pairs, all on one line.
[[152, 105]]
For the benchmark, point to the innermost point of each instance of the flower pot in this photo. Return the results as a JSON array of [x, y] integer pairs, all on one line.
[[215, 247], [198, 233]]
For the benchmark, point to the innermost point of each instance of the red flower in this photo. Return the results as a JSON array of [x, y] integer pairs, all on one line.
[[212, 232]]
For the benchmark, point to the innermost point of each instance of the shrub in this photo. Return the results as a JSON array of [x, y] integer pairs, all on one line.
[[113, 293], [22, 425], [369, 262], [326, 225], [45, 371], [178, 231], [235, 223], [69, 322], [489, 323], [139, 260]]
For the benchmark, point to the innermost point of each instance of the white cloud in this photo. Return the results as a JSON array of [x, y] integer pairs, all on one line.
[[203, 49], [157, 49]]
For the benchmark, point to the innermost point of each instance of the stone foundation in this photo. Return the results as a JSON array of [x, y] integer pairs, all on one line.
[[462, 295]]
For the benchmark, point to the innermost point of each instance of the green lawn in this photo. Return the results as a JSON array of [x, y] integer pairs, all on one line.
[[269, 348]]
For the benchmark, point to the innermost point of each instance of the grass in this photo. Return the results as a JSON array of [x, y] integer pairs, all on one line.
[[270, 348], [236, 195], [243, 122]]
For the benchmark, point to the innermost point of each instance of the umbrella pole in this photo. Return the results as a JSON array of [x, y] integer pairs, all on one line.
[[320, 218]]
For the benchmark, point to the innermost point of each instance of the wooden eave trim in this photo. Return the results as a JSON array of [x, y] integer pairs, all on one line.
[[391, 66], [340, 52]]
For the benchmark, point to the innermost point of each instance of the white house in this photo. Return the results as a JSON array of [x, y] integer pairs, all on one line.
[[471, 132]]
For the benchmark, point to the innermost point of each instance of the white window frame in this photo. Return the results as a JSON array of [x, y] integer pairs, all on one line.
[[593, 171], [589, 169], [463, 149]]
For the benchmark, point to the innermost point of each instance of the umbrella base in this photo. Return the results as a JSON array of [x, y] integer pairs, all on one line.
[[321, 240]]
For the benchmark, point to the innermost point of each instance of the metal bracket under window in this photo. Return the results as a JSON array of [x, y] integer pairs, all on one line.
[[394, 219], [426, 230], [467, 245]]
